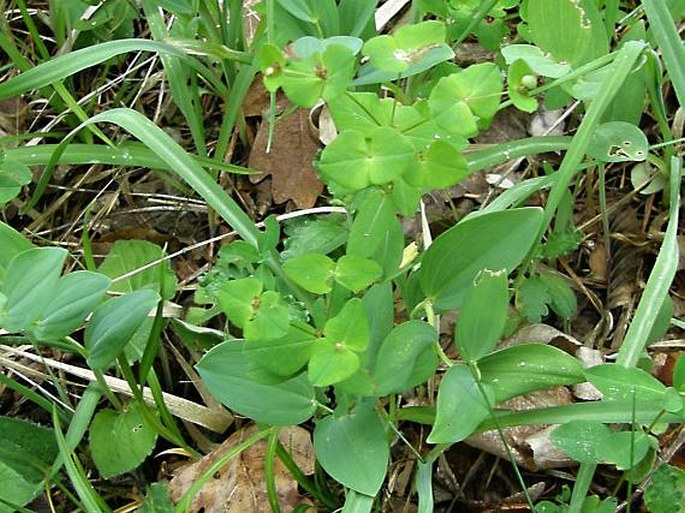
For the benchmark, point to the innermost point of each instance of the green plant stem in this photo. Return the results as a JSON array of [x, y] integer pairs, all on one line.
[[104, 388], [586, 472], [476, 376]]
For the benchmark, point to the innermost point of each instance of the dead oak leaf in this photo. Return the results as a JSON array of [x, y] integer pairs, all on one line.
[[290, 160], [240, 486]]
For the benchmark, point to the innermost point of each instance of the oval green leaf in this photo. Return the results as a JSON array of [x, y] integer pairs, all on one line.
[[76, 295], [497, 240], [30, 283], [312, 271], [483, 315], [461, 406], [120, 441], [113, 324], [225, 372], [524, 368], [353, 448]]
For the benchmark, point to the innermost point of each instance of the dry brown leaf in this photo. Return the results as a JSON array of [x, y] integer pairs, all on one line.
[[599, 265], [290, 160], [240, 485], [530, 445]]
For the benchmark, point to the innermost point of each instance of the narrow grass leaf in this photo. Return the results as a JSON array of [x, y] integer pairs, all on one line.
[[66, 65], [670, 42], [180, 162], [659, 280], [92, 503]]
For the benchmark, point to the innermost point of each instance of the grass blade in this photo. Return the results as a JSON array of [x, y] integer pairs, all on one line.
[[92, 502], [668, 39], [178, 77], [177, 159], [659, 280], [622, 66], [66, 65], [126, 154]]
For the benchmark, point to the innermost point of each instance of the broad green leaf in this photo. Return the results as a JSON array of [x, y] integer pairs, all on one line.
[[582, 440], [618, 141], [15, 489], [666, 491], [538, 62], [237, 299], [461, 406], [532, 299], [577, 33], [405, 47], [120, 441], [618, 382], [26, 453], [286, 355], [483, 315], [113, 324], [271, 318], [127, 256], [29, 285], [594, 442], [225, 372], [331, 362], [562, 298], [13, 176], [378, 302], [313, 272], [28, 449], [465, 102], [323, 75], [363, 112], [305, 10], [356, 273], [157, 499], [350, 327], [679, 373], [626, 449], [421, 62], [11, 244], [520, 80], [75, 296], [353, 448], [307, 46], [355, 161], [628, 105], [405, 197], [317, 235], [356, 16], [376, 232], [406, 358], [440, 166], [496, 240], [524, 368]]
